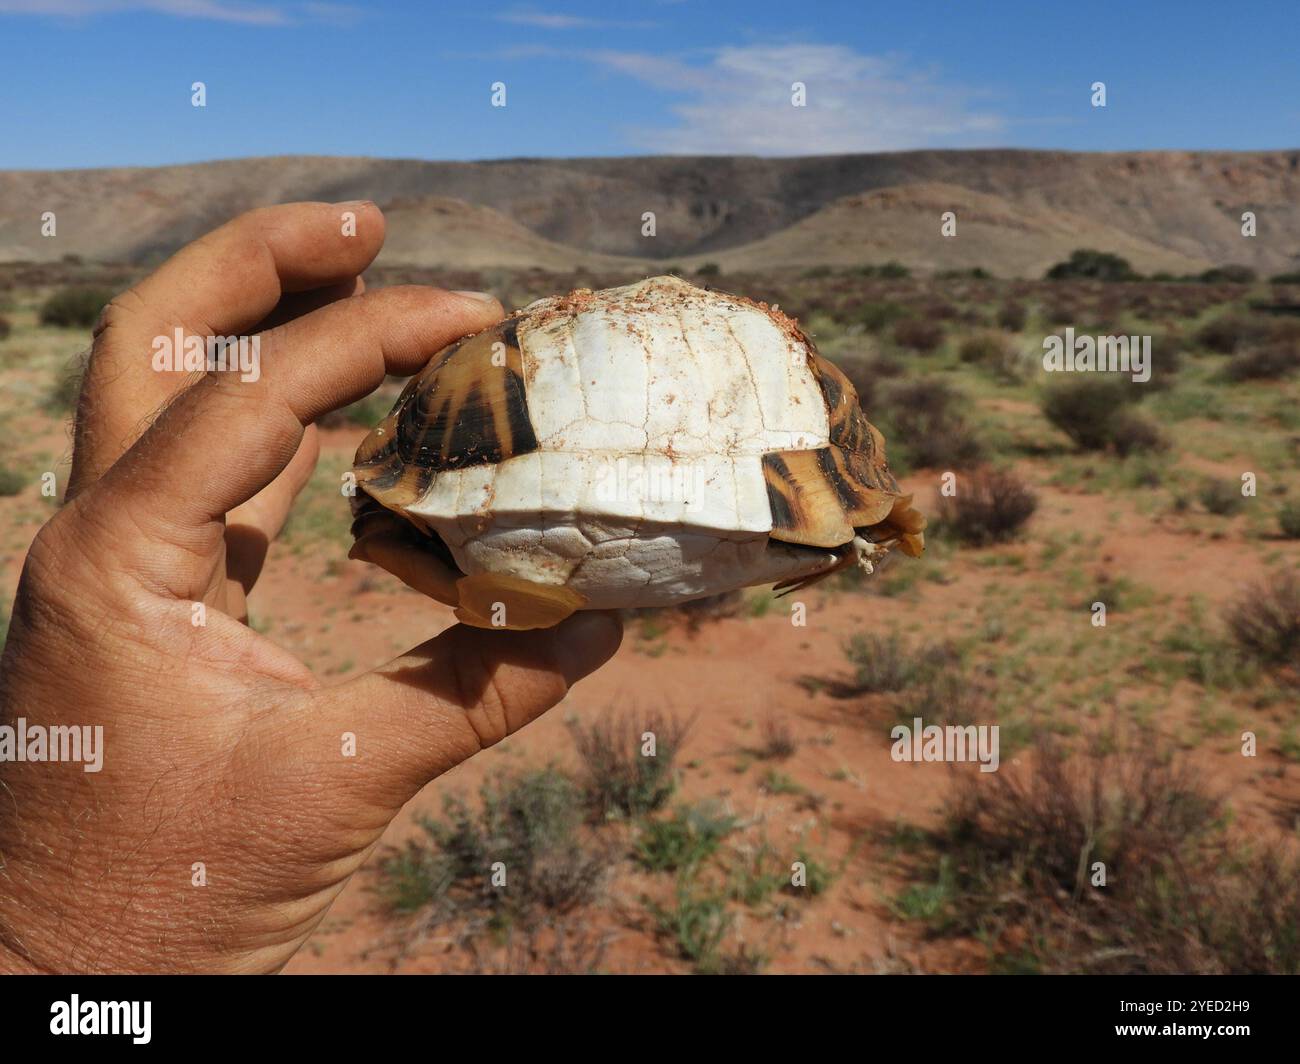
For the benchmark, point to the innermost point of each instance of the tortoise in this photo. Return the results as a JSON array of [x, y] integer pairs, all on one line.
[[638, 446]]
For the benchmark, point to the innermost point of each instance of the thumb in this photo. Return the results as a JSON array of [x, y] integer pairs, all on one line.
[[430, 709]]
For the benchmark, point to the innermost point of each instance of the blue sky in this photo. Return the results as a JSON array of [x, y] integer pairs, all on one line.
[[107, 82]]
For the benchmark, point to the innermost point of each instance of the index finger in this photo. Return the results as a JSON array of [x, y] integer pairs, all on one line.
[[223, 440], [223, 284]]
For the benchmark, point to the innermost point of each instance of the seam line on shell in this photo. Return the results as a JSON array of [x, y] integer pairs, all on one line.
[[753, 380]]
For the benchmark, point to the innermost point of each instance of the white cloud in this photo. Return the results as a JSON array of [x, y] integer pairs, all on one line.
[[739, 101]]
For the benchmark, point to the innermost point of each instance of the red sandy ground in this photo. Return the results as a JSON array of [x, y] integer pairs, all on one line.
[[737, 672], [734, 673]]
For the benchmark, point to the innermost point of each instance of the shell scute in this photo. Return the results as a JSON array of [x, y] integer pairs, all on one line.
[[468, 407], [819, 497]]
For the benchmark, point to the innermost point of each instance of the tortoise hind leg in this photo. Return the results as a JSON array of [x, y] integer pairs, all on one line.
[[499, 600]]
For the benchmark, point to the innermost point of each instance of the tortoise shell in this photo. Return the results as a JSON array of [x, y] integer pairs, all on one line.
[[637, 446]]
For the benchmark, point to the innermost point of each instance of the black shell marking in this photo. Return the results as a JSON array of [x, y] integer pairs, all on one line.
[[467, 407]]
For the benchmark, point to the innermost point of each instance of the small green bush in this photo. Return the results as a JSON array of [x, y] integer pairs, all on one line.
[[990, 506], [696, 924], [1229, 274], [1267, 361], [11, 482], [920, 334], [984, 349], [531, 822], [1092, 265], [879, 316], [1087, 409], [75, 307], [1265, 621], [1012, 317], [925, 427], [1131, 433], [1222, 497], [617, 780], [880, 663], [692, 835], [1288, 520]]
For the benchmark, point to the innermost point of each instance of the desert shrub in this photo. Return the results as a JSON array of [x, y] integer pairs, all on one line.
[[926, 427], [696, 923], [1264, 361], [1288, 520], [1229, 274], [1225, 333], [1061, 312], [1131, 433], [947, 691], [1094, 265], [939, 310], [531, 822], [616, 780], [975, 273], [778, 741], [554, 945], [1265, 621], [1286, 278], [1012, 317], [5, 328], [692, 835], [708, 269], [880, 663], [75, 307], [887, 366], [1222, 497], [1166, 357], [919, 334], [1013, 861], [888, 271], [818, 877], [1087, 409], [984, 349], [11, 482], [876, 317], [990, 506]]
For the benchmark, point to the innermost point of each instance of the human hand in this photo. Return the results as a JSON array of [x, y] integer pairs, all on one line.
[[219, 747]]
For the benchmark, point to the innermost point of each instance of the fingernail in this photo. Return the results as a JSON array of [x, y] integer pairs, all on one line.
[[482, 297], [585, 641], [356, 204]]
